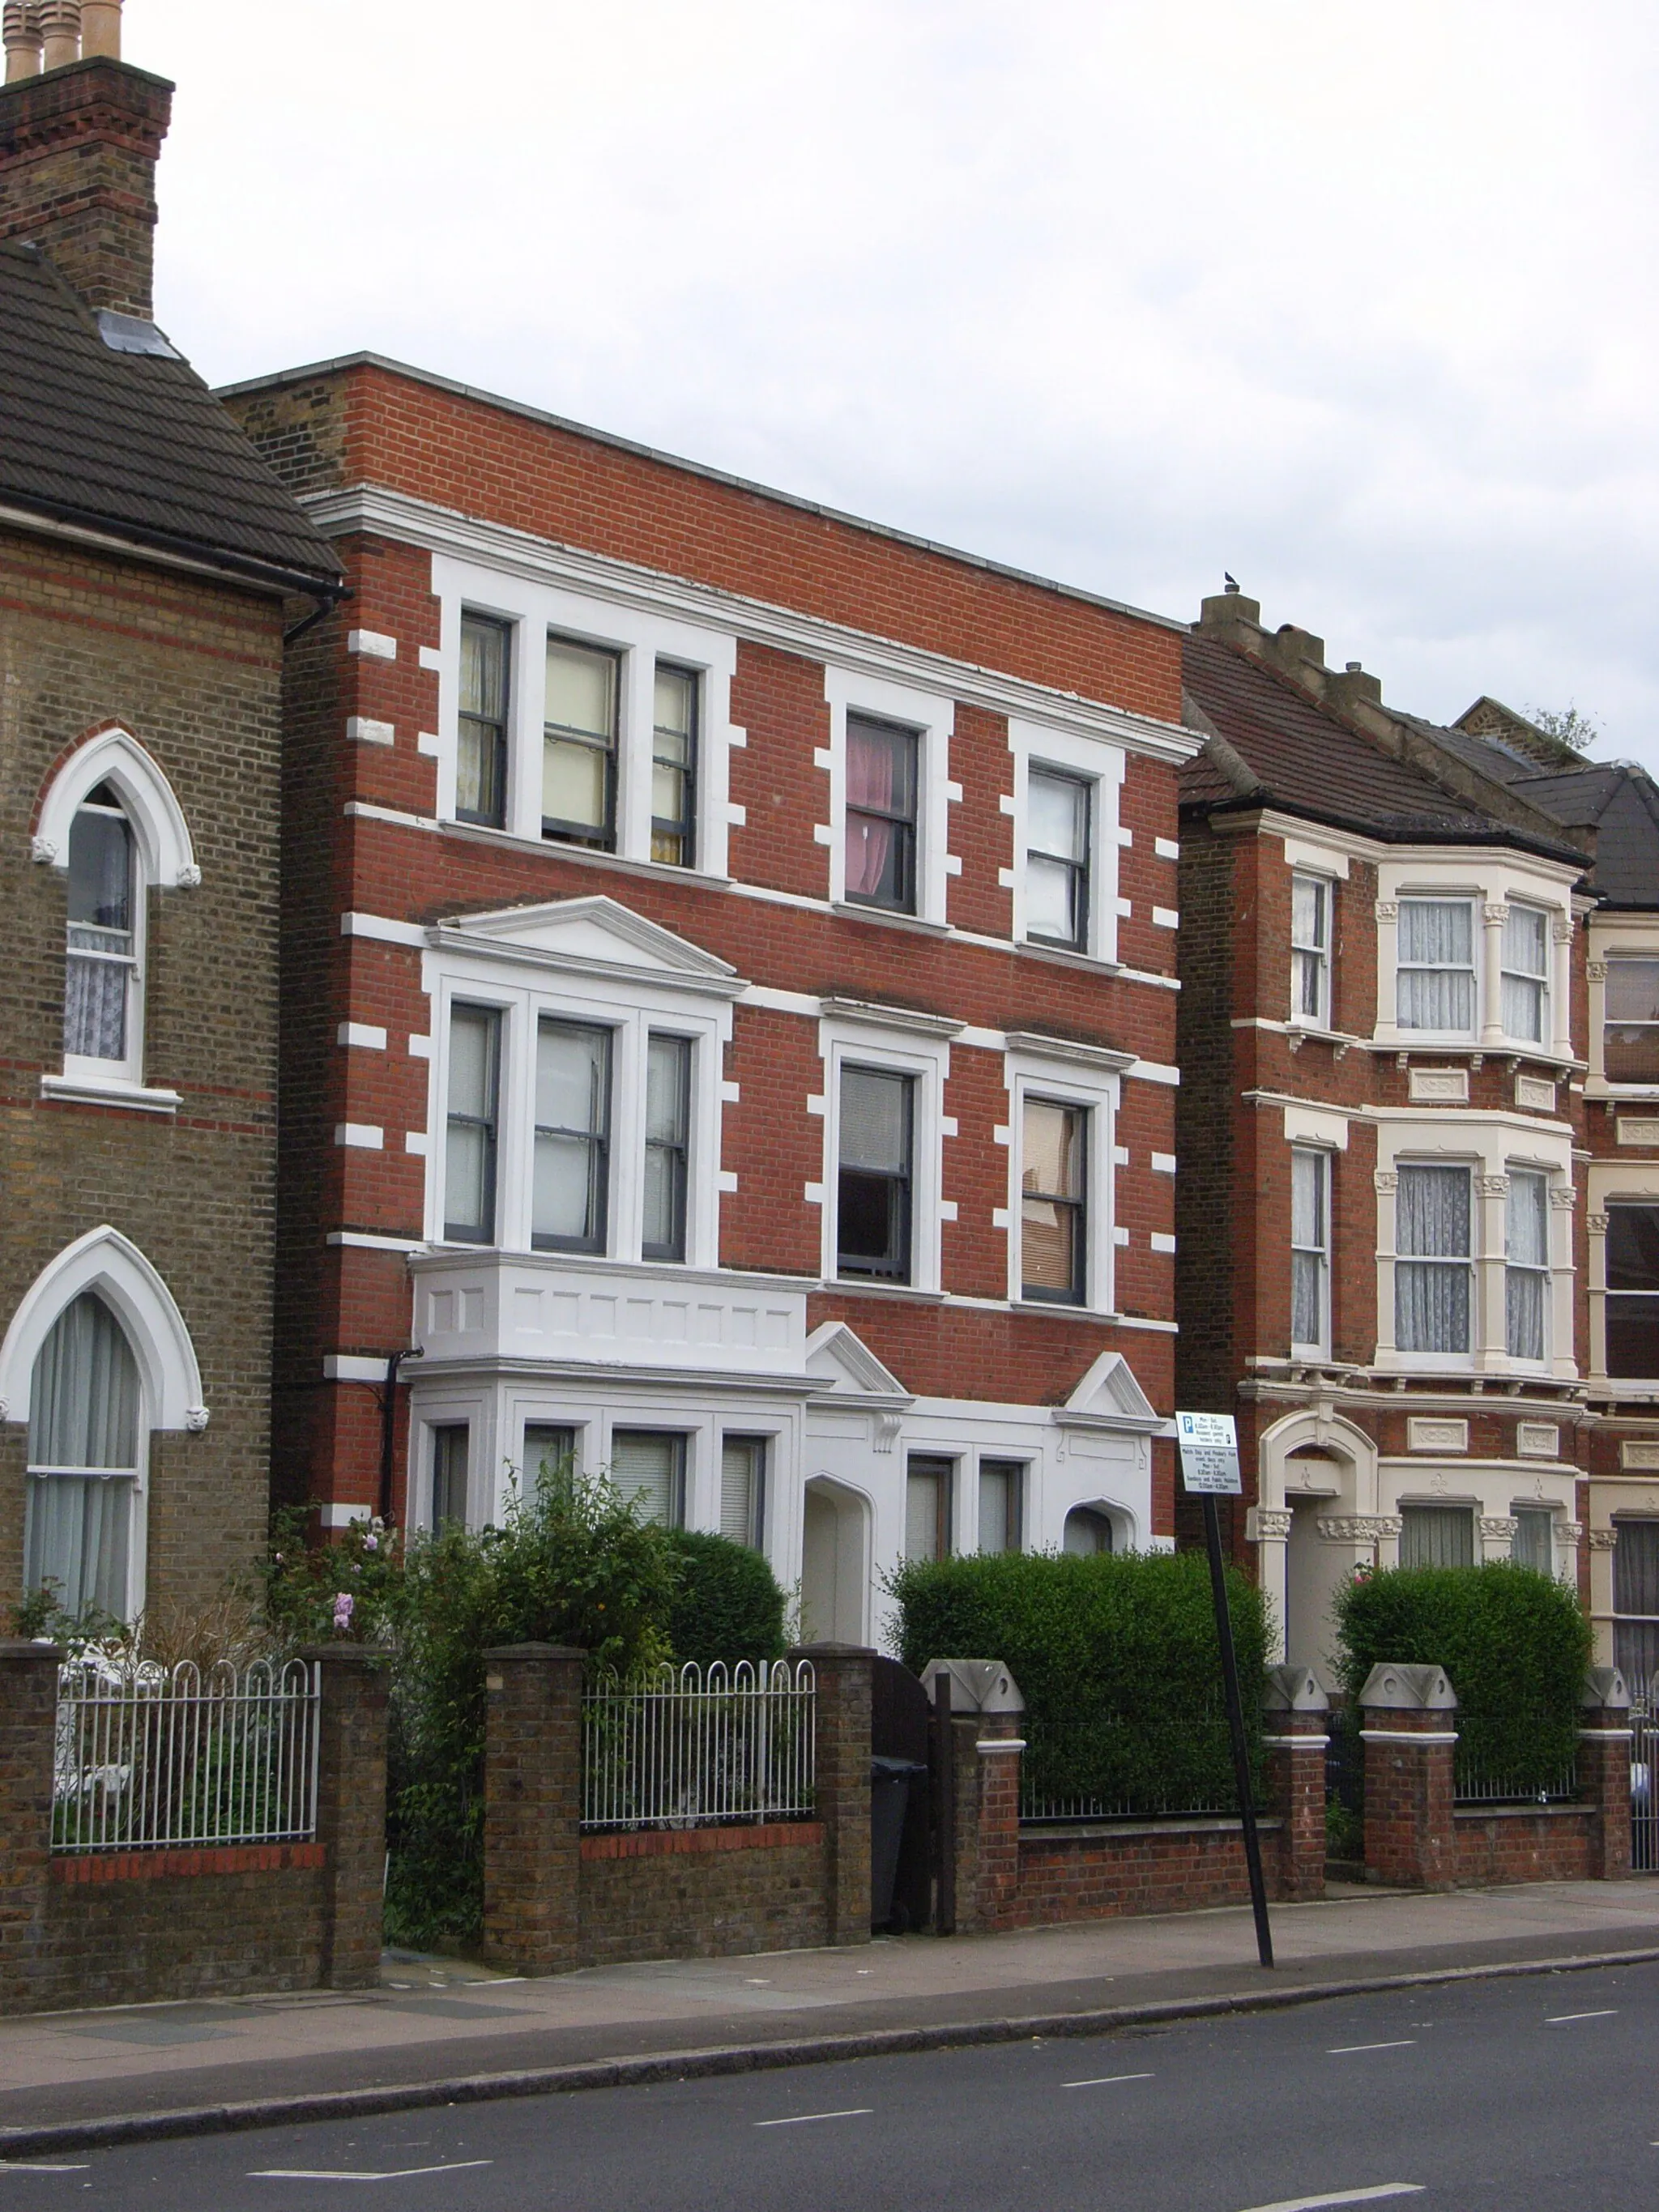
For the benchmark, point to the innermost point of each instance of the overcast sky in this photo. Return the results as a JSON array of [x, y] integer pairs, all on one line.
[[1355, 302]]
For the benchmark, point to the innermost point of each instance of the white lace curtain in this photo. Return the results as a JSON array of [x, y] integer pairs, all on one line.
[[1308, 1243], [1525, 1278], [83, 1415], [1436, 965], [1432, 1268]]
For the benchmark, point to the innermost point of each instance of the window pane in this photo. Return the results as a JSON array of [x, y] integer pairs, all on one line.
[[1432, 1212], [1052, 899], [572, 1066], [575, 780], [469, 1136], [76, 1540], [83, 1400], [1633, 1337], [1633, 1248], [875, 1120], [101, 870], [472, 1062], [1438, 991], [1524, 1314], [449, 1464], [675, 703], [581, 688], [1524, 1008], [881, 798], [927, 1508], [667, 1064], [573, 1081], [95, 994], [1526, 1220], [1436, 1536], [1533, 1545], [1636, 1567], [647, 1468], [483, 668], [1047, 1240], [1052, 1160], [549, 1448], [1059, 810], [667, 1087], [1308, 985], [1307, 1299], [1001, 1484], [1631, 1037], [1308, 1199], [743, 1465], [881, 767], [1526, 941], [1632, 992], [1437, 932], [1307, 911]]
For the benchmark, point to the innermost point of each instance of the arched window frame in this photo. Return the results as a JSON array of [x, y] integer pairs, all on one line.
[[169, 1377], [163, 857]]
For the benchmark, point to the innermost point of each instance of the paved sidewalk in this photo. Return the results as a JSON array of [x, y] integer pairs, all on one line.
[[436, 2021]]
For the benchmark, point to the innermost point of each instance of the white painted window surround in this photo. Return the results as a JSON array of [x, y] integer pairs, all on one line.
[[931, 716], [641, 638], [1099, 763], [1487, 883], [587, 961], [852, 1038], [1074, 1075]]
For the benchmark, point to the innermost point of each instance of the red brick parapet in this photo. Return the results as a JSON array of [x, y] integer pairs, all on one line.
[[206, 1858], [1410, 1735]]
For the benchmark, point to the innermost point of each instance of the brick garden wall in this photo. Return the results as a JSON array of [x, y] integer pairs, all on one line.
[[1521, 1843], [702, 1892], [1134, 1867]]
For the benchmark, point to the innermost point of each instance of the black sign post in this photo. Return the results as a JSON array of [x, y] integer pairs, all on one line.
[[1209, 1470]]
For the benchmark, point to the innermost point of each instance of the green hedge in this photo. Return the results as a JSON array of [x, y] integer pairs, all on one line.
[[728, 1604], [1514, 1644], [1117, 1660]]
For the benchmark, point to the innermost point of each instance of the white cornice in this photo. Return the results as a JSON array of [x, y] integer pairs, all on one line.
[[442, 530]]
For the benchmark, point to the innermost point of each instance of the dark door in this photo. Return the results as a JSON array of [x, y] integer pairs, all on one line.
[[900, 1721]]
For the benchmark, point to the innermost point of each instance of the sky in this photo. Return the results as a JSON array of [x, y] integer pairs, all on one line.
[[1357, 303]]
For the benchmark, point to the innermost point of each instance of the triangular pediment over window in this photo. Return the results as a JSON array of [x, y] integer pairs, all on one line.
[[841, 1366], [1109, 1395], [592, 936]]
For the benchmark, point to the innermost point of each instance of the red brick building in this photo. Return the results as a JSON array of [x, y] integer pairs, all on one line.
[[729, 1003], [1383, 1024]]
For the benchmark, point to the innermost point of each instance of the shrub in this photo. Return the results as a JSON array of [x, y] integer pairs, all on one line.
[[1514, 1644], [1115, 1655], [728, 1604]]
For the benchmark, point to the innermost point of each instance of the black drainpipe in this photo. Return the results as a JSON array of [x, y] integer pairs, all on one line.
[[394, 1361]]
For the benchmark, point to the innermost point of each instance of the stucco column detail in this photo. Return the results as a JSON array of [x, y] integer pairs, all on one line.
[[1268, 1528]]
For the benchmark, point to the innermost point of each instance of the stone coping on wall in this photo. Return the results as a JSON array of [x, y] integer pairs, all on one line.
[[78, 1869], [657, 1842], [1475, 1812], [1167, 1824]]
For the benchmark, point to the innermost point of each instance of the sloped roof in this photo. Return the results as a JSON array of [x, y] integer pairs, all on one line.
[[131, 442], [1303, 758], [1616, 799]]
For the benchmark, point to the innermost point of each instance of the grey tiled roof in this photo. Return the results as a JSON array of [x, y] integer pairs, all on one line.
[[132, 443]]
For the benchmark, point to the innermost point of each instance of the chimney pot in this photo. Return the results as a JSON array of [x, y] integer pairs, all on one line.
[[100, 29], [60, 21], [22, 36], [1354, 668]]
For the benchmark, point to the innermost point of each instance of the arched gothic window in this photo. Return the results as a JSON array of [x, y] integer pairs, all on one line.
[[85, 1439], [102, 1013]]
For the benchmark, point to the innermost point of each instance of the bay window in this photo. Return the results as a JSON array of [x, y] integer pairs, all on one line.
[[667, 1133], [883, 763], [578, 745], [1526, 1263], [1533, 1543], [470, 1145], [571, 1175], [1433, 1266], [873, 1227], [1053, 1217], [1434, 990], [83, 1461], [451, 1443], [1311, 1247], [1310, 950], [1630, 1032], [1526, 956], [674, 766], [1436, 1536], [1058, 813], [1632, 1301], [101, 996], [1636, 1603], [481, 750]]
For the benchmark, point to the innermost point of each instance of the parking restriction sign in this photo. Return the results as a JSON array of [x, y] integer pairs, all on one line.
[[1209, 1455]]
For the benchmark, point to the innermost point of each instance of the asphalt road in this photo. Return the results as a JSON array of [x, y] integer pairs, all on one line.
[[1522, 2096]]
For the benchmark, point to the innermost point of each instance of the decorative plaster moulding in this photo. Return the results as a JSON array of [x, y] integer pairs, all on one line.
[[1538, 1440], [1634, 1132], [1535, 1092], [1422, 1435], [1442, 1086], [1636, 1457]]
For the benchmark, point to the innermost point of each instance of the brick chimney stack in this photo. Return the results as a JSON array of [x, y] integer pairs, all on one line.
[[80, 132]]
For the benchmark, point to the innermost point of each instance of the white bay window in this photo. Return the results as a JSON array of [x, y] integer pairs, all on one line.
[[1434, 1274], [1436, 989], [1527, 1264]]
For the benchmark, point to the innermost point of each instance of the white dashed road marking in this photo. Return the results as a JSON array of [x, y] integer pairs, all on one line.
[[798, 2119], [1104, 2080], [1561, 2019], [1343, 2196], [1346, 2050], [401, 2173]]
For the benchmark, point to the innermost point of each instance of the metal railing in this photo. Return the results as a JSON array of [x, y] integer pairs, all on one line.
[[1110, 1769], [1509, 1761], [1644, 1758], [688, 1747], [147, 1757]]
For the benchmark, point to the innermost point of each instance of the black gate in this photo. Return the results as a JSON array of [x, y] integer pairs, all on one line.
[[1644, 1811], [900, 1726]]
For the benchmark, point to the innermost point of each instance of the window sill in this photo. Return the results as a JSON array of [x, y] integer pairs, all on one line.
[[912, 923], [93, 1091], [857, 1287], [1063, 955], [1416, 1045], [584, 856]]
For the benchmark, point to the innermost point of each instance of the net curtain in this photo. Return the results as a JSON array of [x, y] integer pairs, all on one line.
[[870, 782], [1436, 958], [83, 1415], [1431, 1271]]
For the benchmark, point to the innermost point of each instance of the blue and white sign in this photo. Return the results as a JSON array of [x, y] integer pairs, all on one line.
[[1209, 1455]]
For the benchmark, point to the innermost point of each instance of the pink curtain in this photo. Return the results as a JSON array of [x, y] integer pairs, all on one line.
[[869, 783]]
